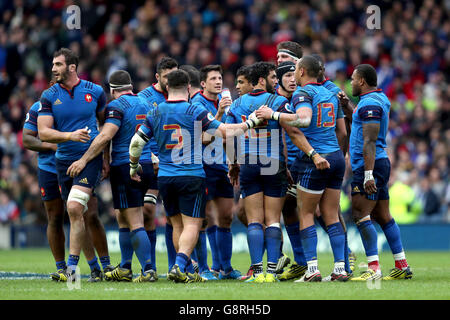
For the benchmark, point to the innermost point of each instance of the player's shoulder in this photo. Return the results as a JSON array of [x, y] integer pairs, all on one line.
[[50, 92], [35, 107], [92, 87], [373, 98]]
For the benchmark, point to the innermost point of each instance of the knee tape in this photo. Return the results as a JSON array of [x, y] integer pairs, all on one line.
[[80, 197], [150, 198]]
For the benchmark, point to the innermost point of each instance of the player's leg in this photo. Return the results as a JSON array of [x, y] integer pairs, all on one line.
[[329, 207], [391, 230], [224, 236], [149, 221], [361, 211], [211, 231], [201, 252], [55, 231], [241, 215], [308, 200], [272, 234], [98, 234], [254, 209]]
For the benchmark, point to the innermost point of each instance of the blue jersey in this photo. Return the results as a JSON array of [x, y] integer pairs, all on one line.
[[328, 84], [153, 97], [210, 158], [373, 107], [321, 133], [128, 112], [177, 128], [292, 149], [73, 110], [46, 159], [266, 139]]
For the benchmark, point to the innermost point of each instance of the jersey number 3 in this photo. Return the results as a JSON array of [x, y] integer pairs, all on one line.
[[176, 136]]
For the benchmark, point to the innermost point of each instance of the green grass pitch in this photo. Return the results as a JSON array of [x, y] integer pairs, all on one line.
[[431, 281]]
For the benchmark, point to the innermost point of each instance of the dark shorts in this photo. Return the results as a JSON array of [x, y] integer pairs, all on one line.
[[128, 193], [292, 189], [89, 177], [271, 179], [183, 194], [48, 183], [381, 173], [217, 184], [312, 180]]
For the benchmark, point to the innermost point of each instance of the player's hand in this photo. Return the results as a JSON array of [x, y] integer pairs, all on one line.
[[81, 135], [264, 112], [76, 167], [223, 104], [135, 169], [320, 163], [343, 99], [233, 173], [256, 120], [369, 182]]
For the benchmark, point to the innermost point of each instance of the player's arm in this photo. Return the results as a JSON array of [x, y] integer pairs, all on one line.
[[370, 116], [31, 141], [341, 134], [137, 144], [347, 106], [100, 110], [300, 141], [299, 114], [48, 134], [97, 146]]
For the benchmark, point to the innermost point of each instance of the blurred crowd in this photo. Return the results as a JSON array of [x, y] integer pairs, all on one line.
[[410, 51]]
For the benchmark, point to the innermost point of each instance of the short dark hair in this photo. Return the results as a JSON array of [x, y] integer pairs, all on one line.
[[207, 69], [69, 55], [320, 59], [260, 70], [120, 80], [244, 71], [368, 73], [178, 79], [311, 65], [194, 75], [294, 48], [166, 63]]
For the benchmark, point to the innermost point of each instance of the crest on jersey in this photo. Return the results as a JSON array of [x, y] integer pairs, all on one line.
[[88, 97], [43, 192], [27, 117], [155, 104]]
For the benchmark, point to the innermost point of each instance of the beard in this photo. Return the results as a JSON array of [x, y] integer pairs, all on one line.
[[62, 77], [163, 87], [356, 91], [269, 87]]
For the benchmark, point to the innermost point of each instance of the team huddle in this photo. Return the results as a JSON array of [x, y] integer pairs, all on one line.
[[283, 142]]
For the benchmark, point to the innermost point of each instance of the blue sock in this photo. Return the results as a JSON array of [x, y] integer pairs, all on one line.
[[181, 260], [293, 231], [60, 265], [152, 237], [141, 245], [202, 252], [105, 261], [211, 232], [72, 261], [337, 241], [369, 237], [225, 238], [255, 239], [309, 242], [171, 252], [392, 233], [93, 264], [273, 239], [126, 248], [189, 266]]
